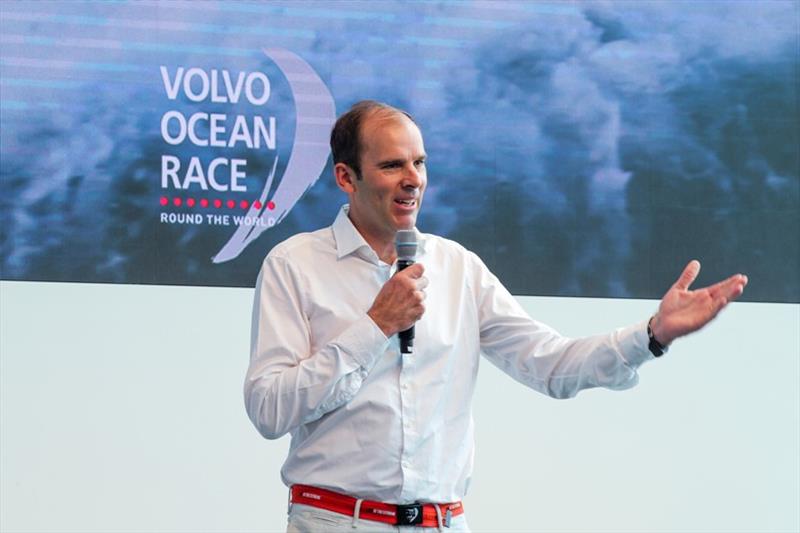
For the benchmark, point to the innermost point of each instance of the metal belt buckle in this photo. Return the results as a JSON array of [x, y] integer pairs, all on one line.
[[409, 515]]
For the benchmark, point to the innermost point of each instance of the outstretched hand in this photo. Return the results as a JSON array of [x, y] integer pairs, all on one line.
[[683, 311]]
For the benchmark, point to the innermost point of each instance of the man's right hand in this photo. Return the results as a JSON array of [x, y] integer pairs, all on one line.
[[399, 304]]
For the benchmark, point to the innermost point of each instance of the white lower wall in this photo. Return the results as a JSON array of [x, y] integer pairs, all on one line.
[[121, 410]]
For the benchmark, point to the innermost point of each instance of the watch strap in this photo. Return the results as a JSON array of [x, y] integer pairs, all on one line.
[[655, 347]]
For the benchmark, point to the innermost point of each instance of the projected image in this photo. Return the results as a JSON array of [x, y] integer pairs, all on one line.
[[581, 149]]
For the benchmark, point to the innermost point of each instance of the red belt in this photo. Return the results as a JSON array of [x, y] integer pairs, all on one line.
[[415, 514]]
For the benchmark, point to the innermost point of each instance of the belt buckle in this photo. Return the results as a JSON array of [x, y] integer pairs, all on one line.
[[409, 515]]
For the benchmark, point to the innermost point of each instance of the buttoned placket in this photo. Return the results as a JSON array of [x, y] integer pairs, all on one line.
[[407, 363], [408, 417]]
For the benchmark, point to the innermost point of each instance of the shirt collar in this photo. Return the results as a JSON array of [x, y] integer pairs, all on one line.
[[349, 240]]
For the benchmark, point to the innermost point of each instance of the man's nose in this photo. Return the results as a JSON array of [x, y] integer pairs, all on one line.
[[413, 177]]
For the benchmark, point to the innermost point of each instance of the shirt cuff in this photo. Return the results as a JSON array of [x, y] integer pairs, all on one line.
[[365, 341], [633, 344]]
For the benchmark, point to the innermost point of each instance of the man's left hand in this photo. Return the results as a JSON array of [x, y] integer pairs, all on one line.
[[683, 311]]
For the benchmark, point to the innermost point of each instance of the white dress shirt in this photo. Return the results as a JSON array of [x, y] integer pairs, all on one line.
[[369, 421]]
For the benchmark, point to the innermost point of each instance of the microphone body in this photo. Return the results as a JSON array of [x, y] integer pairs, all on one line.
[[406, 246]]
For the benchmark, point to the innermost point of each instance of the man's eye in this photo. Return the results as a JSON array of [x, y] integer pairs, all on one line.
[[420, 163]]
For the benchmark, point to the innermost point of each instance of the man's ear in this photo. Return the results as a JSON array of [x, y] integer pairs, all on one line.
[[345, 177]]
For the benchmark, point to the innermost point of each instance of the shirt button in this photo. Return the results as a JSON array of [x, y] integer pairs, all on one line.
[[405, 464]]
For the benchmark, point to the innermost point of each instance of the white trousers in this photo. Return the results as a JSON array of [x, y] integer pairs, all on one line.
[[307, 519]]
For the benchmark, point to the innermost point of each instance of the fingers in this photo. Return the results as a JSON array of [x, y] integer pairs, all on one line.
[[742, 284], [399, 303], [730, 288], [415, 271], [722, 293], [419, 293], [686, 311], [688, 275]]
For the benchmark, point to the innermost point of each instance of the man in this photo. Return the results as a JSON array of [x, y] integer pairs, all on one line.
[[382, 438]]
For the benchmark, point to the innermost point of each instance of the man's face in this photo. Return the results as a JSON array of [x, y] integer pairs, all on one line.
[[389, 194]]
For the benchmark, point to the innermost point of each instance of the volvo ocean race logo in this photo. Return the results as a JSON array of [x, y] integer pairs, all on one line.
[[197, 189]]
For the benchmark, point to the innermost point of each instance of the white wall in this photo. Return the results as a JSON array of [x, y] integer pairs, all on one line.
[[121, 410]]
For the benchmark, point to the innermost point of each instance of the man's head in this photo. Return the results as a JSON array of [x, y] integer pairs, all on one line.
[[346, 142], [379, 161]]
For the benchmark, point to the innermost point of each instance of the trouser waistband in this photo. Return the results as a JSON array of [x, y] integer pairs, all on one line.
[[415, 514]]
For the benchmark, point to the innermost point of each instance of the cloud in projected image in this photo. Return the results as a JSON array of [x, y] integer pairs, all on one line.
[[579, 148]]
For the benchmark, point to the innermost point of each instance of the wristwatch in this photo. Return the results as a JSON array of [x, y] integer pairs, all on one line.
[[656, 348]]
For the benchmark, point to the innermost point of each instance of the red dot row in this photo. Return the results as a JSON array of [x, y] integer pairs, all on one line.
[[216, 202]]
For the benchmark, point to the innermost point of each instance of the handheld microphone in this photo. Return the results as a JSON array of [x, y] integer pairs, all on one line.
[[405, 243]]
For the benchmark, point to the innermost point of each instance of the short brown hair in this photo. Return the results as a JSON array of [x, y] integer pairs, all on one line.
[[346, 143]]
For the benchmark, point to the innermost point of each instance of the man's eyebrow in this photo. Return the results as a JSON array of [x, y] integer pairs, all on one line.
[[400, 160], [390, 162]]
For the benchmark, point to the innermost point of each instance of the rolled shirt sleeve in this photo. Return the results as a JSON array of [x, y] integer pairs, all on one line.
[[539, 357]]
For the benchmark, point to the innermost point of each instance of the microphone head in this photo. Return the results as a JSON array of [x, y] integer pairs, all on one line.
[[405, 242]]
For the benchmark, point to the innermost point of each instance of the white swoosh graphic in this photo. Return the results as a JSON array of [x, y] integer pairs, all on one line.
[[315, 114]]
